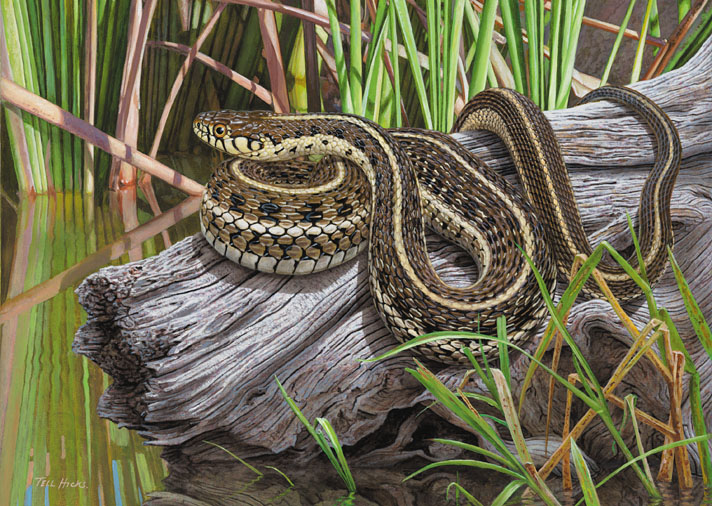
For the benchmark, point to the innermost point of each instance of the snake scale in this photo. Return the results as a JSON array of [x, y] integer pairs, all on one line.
[[269, 211]]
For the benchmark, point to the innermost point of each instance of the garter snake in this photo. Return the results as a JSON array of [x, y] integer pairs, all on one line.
[[264, 210]]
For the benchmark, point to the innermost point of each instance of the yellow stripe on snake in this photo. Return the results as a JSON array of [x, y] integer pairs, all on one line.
[[269, 212]]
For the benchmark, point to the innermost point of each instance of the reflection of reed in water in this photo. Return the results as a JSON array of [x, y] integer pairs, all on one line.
[[48, 424]]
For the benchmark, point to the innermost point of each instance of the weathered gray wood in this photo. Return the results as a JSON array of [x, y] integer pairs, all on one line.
[[194, 342]]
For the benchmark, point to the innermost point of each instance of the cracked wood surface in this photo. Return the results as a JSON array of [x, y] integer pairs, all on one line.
[[194, 342]]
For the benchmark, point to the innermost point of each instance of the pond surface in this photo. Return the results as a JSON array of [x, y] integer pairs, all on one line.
[[56, 450]]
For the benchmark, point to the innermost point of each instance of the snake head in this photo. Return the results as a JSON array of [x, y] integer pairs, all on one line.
[[234, 132]]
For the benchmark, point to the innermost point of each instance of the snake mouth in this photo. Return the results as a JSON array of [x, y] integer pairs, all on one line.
[[201, 127]]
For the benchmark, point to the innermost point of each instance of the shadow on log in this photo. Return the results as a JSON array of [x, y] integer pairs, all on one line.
[[194, 342]]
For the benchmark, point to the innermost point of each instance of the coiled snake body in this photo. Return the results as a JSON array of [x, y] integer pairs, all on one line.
[[268, 212]]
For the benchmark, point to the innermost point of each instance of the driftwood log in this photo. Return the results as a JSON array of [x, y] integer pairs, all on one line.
[[194, 342]]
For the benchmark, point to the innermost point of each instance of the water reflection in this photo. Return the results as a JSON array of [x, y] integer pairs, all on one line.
[[281, 483], [55, 449]]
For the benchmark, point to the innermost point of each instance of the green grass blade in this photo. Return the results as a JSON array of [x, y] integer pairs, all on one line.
[[507, 492], [425, 339], [478, 464], [510, 414], [454, 404], [699, 323], [630, 405], [468, 496], [515, 43], [700, 427], [554, 52], [442, 16], [318, 437], [617, 43], [291, 483], [579, 360], [486, 374], [638, 60], [412, 52], [482, 51], [503, 352], [675, 340], [654, 451], [655, 24], [355, 55], [474, 24], [241, 461], [393, 30], [375, 68], [473, 449], [569, 53], [584, 475], [452, 50], [343, 468], [432, 38], [347, 105], [683, 7], [481, 398], [532, 24]]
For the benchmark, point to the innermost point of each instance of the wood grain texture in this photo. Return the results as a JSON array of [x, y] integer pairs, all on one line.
[[194, 342]]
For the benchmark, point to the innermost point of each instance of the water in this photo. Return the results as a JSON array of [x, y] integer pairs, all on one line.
[[56, 450]]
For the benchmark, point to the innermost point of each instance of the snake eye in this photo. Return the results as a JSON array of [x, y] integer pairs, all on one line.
[[219, 130]]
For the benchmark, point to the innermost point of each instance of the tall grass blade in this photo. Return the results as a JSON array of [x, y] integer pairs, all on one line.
[[18, 58], [482, 51], [503, 351], [347, 105], [393, 31], [508, 492], [433, 51], [694, 312], [584, 475], [412, 52], [510, 414], [573, 25], [617, 43], [477, 464], [355, 56], [649, 453], [638, 60], [630, 408], [555, 27], [241, 461], [531, 16], [453, 52], [343, 467], [515, 43], [337, 460], [496, 60], [700, 427], [470, 498], [655, 24], [474, 449], [375, 63]]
